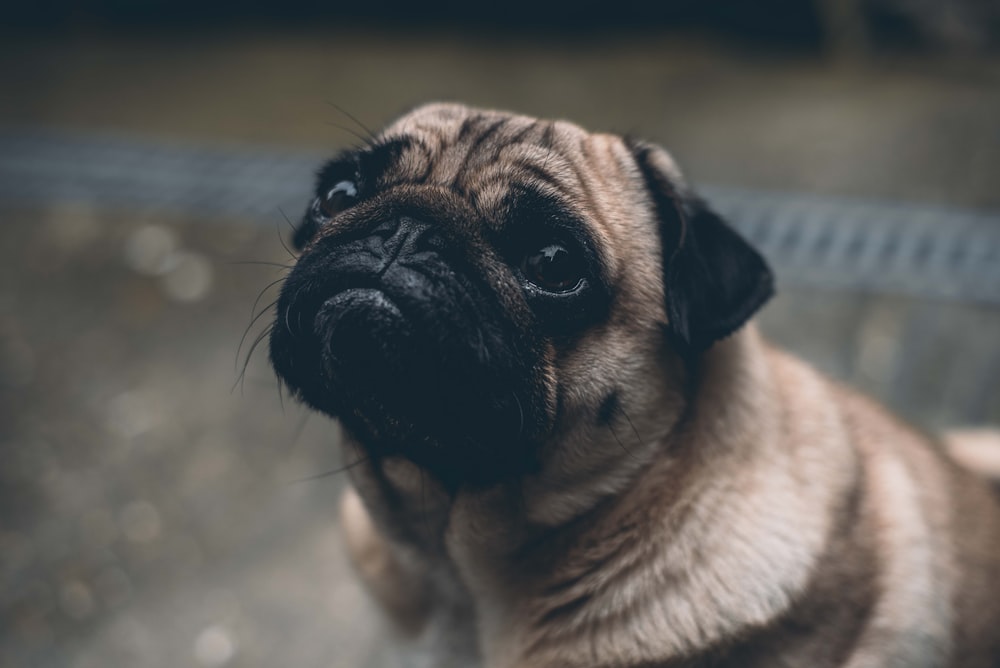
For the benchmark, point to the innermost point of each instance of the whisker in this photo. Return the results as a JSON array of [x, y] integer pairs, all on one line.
[[281, 240], [263, 263], [335, 471], [371, 135], [261, 294], [520, 410], [353, 133], [634, 431], [242, 377], [254, 318], [253, 321], [284, 215], [620, 444], [299, 430]]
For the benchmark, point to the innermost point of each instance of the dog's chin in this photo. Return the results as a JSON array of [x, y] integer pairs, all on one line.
[[403, 390]]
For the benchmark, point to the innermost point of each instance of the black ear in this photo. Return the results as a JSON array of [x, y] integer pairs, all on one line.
[[714, 281]]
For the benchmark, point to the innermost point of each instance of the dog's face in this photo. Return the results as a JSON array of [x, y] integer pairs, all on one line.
[[480, 292]]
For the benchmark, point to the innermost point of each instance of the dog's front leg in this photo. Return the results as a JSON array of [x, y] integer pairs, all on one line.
[[398, 581], [393, 518]]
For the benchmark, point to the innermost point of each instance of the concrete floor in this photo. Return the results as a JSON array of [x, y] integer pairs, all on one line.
[[154, 515], [150, 516]]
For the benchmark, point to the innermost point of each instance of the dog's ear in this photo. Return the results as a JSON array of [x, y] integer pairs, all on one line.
[[714, 281]]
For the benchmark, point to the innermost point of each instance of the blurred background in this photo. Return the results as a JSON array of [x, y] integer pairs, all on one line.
[[162, 505]]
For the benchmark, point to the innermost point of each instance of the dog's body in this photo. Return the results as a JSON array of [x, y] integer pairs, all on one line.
[[605, 466]]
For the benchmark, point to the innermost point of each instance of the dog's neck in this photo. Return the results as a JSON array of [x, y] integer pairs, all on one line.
[[653, 457], [726, 496]]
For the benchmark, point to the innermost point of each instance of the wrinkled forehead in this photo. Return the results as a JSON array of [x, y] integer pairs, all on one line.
[[455, 129], [485, 155]]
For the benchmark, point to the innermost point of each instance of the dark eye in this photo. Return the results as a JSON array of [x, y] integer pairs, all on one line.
[[341, 196], [553, 268]]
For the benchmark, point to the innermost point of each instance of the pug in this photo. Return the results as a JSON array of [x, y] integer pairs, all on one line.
[[571, 447]]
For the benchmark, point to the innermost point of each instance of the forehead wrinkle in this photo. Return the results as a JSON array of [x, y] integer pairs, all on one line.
[[494, 184], [417, 157], [485, 154], [449, 142], [629, 218], [518, 129], [491, 196], [609, 181], [451, 165], [495, 134], [474, 133], [593, 199], [609, 190], [512, 154], [525, 165]]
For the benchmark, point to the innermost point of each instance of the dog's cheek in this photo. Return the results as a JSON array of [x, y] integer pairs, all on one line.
[[531, 356]]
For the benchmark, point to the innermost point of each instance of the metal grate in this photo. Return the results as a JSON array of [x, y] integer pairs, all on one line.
[[887, 247], [875, 246]]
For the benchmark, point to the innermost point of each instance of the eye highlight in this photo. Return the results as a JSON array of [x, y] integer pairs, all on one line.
[[553, 268], [341, 196]]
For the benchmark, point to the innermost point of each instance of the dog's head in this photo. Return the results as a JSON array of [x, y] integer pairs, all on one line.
[[473, 286]]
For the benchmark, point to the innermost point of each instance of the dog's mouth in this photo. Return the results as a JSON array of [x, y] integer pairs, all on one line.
[[413, 356]]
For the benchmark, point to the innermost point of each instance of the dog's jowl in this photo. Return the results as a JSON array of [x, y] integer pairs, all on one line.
[[577, 451]]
